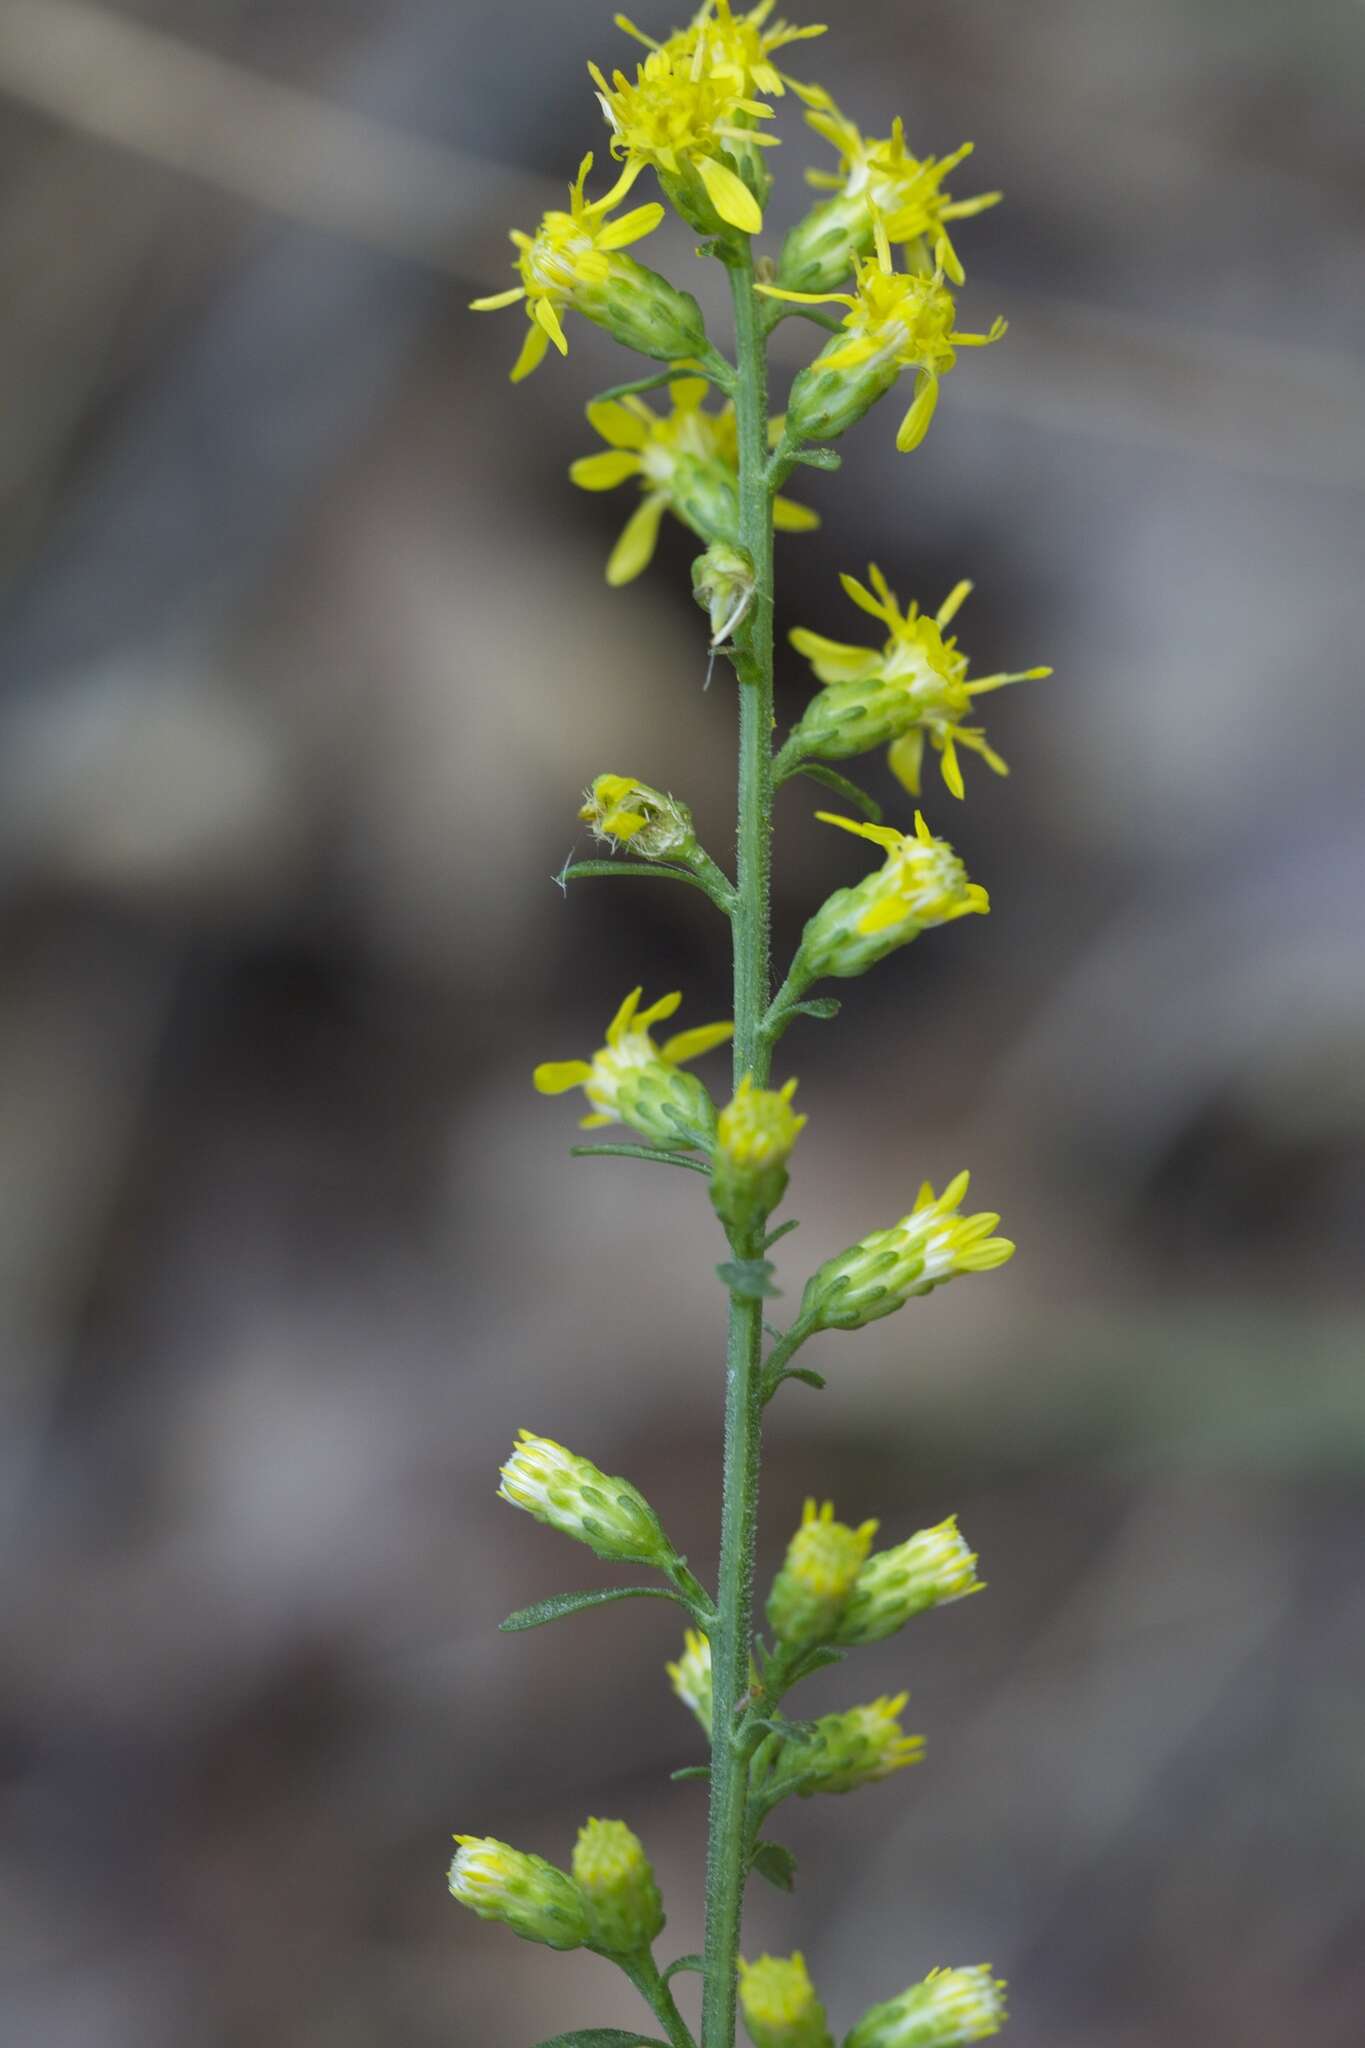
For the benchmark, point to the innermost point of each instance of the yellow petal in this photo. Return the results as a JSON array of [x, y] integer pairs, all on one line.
[[549, 320], [730, 196], [603, 472], [556, 1077], [617, 424], [834, 661], [532, 353], [687, 393], [951, 767], [631, 227], [882, 916], [620, 1023], [594, 1121], [905, 758], [953, 603], [880, 835], [639, 537], [496, 300], [915, 425], [666, 1006], [864, 599], [789, 517], [690, 1045]]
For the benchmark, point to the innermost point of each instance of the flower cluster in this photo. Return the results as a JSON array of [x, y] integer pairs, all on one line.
[[610, 1903]]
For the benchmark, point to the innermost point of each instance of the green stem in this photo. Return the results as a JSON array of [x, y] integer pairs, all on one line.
[[643, 1973], [732, 1746]]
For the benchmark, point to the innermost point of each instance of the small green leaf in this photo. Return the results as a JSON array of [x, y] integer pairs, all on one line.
[[850, 791], [820, 1660], [602, 2037], [690, 1771], [656, 1153], [820, 458], [560, 1604], [782, 1230], [807, 1375], [823, 1007], [775, 1863], [683, 1963], [750, 1279]]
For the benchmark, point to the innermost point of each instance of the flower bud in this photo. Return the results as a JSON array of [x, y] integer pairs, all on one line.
[[755, 1134], [879, 1274], [931, 1569], [569, 1493], [623, 812], [949, 2008], [817, 1579], [529, 1895], [723, 585], [921, 884], [858, 1747], [625, 1913], [823, 247], [690, 1677], [831, 394], [779, 2004]]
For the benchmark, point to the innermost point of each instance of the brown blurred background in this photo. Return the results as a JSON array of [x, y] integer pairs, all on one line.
[[306, 654]]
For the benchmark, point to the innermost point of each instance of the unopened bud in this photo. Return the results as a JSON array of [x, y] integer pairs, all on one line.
[[817, 1578], [931, 1569], [626, 813], [643, 310], [690, 1677], [779, 2004], [723, 585], [950, 2008], [882, 1271], [526, 1893], [755, 1134], [625, 1913], [569, 1493], [858, 1747]]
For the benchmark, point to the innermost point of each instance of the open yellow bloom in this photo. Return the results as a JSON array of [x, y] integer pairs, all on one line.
[[880, 1273], [687, 463], [922, 883], [631, 1080], [573, 260], [691, 110], [916, 687], [896, 320], [879, 178], [737, 47]]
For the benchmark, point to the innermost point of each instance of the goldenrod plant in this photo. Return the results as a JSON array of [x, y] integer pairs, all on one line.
[[697, 114]]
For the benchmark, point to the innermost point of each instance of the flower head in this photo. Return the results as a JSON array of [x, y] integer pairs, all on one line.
[[687, 463], [896, 320], [817, 1577], [692, 108], [877, 179], [858, 1747], [526, 1893], [574, 260], [882, 1271], [930, 1569], [631, 1080], [755, 1133], [610, 1515], [921, 883], [915, 688], [612, 1871], [950, 2008], [779, 2004], [623, 812], [690, 1677]]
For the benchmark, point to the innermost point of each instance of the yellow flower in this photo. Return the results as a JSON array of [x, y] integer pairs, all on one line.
[[779, 2004], [570, 1494], [817, 1577], [690, 1677], [529, 1895], [882, 1271], [687, 462], [738, 48], [948, 2009], [574, 259], [859, 1747], [881, 179], [631, 1080], [922, 883], [895, 321], [627, 813], [690, 113], [916, 686]]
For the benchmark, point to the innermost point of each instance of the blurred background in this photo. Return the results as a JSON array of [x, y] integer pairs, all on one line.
[[306, 655]]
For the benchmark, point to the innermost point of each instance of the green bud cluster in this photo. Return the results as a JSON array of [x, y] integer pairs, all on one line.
[[818, 1577]]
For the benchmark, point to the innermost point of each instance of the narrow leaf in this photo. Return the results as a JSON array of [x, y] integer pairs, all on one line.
[[683, 1963], [820, 458], [560, 1604], [782, 1230], [656, 1153], [806, 1374], [775, 1863], [820, 1660], [690, 1771], [850, 791], [602, 2037], [823, 1007], [750, 1279]]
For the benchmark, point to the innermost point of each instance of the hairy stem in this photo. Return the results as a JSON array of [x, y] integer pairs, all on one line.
[[731, 1746], [643, 1973]]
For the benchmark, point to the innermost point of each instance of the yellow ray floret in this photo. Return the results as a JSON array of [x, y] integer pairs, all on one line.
[[915, 688], [568, 260]]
